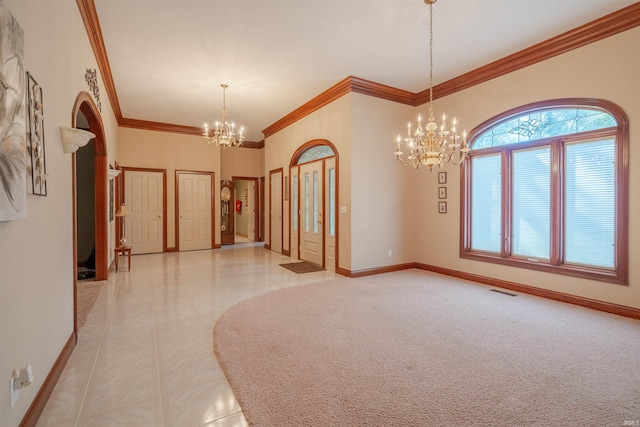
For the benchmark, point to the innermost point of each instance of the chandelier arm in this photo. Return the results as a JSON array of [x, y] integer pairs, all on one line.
[[402, 162]]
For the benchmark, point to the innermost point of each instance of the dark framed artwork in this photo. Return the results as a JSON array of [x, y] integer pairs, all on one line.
[[13, 165], [442, 207], [442, 177], [442, 192], [36, 160]]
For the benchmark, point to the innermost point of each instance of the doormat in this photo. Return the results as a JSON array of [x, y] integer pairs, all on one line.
[[302, 267]]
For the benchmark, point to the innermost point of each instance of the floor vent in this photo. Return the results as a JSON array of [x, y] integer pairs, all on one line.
[[503, 292]]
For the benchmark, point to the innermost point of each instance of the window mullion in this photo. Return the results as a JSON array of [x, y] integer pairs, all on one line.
[[557, 203], [506, 230]]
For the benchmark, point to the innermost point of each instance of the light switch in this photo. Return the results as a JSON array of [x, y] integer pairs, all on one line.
[[343, 209]]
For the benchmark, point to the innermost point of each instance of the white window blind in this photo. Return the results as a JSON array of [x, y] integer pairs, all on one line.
[[531, 219], [486, 195], [590, 203]]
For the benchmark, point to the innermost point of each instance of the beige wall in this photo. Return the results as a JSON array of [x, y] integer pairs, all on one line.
[[36, 253], [381, 205], [245, 162], [172, 152], [606, 69]]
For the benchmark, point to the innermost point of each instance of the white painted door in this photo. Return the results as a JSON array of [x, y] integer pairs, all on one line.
[[194, 208], [144, 198], [251, 211], [330, 215], [275, 202], [311, 207]]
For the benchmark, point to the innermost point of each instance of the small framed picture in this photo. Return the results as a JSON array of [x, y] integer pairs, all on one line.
[[442, 192], [442, 207], [442, 177]]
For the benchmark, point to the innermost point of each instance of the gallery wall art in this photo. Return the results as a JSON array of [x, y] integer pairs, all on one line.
[[13, 188], [36, 165]]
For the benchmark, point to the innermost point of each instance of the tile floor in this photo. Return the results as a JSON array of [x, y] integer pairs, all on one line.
[[145, 355]]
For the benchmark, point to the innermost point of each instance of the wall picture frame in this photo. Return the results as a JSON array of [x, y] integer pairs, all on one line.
[[442, 177], [36, 159], [442, 192], [442, 207], [13, 114]]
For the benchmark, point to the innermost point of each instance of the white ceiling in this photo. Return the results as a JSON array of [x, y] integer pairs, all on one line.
[[169, 57]]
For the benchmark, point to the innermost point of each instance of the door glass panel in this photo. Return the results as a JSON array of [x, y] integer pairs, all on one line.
[[306, 201], [295, 202], [315, 201], [332, 202]]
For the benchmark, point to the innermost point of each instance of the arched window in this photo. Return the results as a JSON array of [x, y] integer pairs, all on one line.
[[545, 187]]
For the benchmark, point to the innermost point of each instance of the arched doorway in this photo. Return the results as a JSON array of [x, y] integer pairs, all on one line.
[[85, 110], [313, 202]]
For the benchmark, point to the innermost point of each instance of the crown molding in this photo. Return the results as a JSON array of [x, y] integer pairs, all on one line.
[[158, 126], [601, 28], [172, 128], [606, 26], [94, 32], [343, 87]]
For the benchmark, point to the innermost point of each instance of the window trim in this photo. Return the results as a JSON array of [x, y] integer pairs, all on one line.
[[619, 274]]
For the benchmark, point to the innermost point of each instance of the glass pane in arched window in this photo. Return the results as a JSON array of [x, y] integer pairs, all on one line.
[[544, 123], [316, 153]]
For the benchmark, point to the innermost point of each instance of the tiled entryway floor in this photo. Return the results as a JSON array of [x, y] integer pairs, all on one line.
[[145, 355]]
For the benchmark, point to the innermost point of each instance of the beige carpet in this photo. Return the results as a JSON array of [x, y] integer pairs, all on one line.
[[87, 294], [413, 348]]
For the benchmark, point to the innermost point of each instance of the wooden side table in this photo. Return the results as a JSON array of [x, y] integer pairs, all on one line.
[[124, 250]]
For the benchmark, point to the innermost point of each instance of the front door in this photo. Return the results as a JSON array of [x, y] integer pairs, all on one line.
[[144, 198], [311, 209], [194, 210]]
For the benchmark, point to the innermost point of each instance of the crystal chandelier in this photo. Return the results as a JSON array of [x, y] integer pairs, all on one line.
[[430, 146], [224, 132]]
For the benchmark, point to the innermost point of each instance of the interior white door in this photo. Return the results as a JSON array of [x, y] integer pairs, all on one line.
[[195, 210], [275, 202], [311, 206], [251, 211], [330, 213], [144, 198]]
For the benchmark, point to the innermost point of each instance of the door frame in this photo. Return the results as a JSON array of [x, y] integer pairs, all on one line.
[[256, 202], [293, 163], [164, 199], [84, 103], [177, 204]]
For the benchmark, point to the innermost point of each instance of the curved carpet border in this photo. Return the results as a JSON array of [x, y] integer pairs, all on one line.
[[416, 349]]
